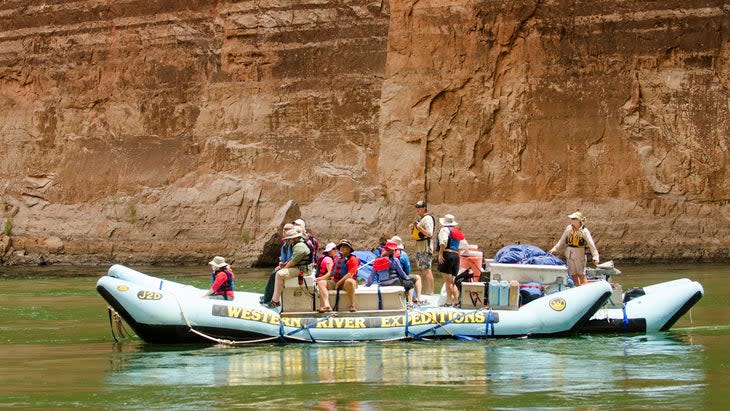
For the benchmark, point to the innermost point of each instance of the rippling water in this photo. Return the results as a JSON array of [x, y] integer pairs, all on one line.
[[58, 353]]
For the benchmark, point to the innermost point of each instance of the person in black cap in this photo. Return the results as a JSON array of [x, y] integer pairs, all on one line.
[[422, 232]]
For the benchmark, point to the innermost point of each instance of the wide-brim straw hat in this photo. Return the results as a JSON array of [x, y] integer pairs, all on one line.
[[448, 220], [293, 233], [218, 262]]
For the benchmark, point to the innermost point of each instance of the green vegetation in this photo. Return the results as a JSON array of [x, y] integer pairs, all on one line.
[[131, 213], [8, 226], [245, 236]]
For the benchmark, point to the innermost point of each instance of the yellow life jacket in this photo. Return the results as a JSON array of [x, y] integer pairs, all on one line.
[[575, 238], [415, 234]]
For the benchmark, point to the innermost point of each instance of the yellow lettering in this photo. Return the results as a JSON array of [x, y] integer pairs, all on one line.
[[246, 314], [256, 315], [479, 317], [234, 311], [359, 323], [292, 322]]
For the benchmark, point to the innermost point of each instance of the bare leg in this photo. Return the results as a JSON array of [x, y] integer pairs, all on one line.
[[449, 282], [350, 285], [324, 299], [417, 288], [427, 276]]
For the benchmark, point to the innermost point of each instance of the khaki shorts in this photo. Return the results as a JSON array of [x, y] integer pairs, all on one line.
[[575, 259], [287, 273]]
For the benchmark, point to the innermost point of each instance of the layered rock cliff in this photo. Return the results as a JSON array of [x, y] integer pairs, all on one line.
[[171, 131]]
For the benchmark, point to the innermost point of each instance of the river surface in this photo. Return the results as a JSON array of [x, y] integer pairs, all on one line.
[[57, 352]]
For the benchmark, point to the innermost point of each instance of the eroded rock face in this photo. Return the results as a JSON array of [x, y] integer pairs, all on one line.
[[169, 132]]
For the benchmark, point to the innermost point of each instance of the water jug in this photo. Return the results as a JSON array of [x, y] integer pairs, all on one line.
[[493, 293], [503, 293]]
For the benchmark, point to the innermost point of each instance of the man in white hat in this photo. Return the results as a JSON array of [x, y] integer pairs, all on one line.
[[449, 238], [575, 239], [300, 263], [221, 279]]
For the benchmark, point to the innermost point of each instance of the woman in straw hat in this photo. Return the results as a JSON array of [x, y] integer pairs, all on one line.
[[221, 279], [575, 239]]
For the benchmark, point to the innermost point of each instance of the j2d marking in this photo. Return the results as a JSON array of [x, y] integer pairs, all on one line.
[[149, 295]]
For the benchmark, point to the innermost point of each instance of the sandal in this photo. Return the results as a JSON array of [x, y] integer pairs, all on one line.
[[273, 304], [324, 309], [352, 309]]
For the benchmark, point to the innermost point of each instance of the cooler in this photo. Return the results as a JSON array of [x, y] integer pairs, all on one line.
[[471, 259]]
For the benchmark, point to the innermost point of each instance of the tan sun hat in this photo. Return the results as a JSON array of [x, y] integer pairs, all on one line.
[[293, 233], [577, 215], [448, 220], [218, 262]]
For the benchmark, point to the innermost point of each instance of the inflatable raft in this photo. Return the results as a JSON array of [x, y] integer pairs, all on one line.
[[649, 309], [644, 310], [162, 311]]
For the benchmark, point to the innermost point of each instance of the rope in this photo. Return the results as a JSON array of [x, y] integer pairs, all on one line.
[[215, 339], [111, 324], [115, 322]]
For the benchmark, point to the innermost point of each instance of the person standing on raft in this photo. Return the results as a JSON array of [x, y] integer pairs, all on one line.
[[575, 239]]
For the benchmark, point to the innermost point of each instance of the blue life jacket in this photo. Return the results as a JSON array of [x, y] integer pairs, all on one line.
[[455, 236]]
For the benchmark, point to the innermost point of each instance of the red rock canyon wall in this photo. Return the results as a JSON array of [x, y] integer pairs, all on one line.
[[170, 131]]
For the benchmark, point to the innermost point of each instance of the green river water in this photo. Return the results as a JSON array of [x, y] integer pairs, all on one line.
[[58, 353]]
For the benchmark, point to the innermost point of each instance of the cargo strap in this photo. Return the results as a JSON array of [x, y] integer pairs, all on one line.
[[626, 318], [489, 323], [305, 328], [337, 300], [380, 301], [443, 325]]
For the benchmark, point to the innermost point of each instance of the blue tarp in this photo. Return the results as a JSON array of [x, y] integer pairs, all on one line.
[[366, 269], [525, 254]]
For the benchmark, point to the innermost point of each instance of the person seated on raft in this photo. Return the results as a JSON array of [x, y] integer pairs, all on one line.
[[221, 279], [405, 262], [284, 256], [344, 273], [323, 273], [387, 270], [300, 263]]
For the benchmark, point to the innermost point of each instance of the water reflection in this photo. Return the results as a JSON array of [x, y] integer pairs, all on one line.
[[652, 366]]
